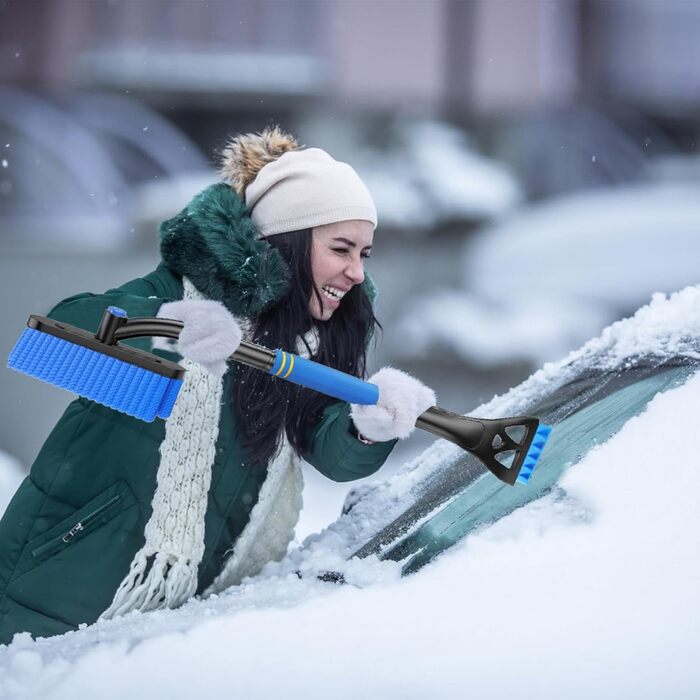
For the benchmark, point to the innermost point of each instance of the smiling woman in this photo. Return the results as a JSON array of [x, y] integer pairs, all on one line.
[[119, 515]]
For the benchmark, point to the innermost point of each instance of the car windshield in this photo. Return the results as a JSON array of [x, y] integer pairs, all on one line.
[[584, 412]]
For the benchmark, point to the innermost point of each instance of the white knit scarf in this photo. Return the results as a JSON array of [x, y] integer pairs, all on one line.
[[163, 573]]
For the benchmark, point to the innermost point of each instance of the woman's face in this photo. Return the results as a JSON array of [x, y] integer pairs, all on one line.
[[338, 253]]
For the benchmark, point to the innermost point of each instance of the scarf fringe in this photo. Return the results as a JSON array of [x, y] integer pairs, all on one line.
[[170, 581]]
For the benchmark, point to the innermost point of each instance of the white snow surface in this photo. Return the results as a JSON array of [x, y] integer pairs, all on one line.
[[547, 276], [11, 475], [594, 595]]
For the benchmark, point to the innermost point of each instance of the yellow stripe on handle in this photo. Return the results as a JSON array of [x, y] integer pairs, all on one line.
[[291, 366], [284, 362], [326, 380]]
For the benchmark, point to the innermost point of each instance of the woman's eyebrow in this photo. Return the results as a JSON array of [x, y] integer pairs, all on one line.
[[350, 243]]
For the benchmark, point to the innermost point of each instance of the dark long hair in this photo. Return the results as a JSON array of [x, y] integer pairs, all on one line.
[[265, 405]]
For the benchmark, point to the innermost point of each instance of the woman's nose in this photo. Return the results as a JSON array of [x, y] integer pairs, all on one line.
[[355, 272]]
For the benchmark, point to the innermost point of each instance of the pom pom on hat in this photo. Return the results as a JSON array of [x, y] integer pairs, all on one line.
[[245, 155]]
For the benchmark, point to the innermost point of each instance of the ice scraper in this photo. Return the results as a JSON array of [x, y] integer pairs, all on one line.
[[145, 386]]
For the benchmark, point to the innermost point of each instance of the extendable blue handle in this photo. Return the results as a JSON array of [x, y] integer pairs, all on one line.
[[327, 380]]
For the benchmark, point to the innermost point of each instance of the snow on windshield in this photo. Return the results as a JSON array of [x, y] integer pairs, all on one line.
[[668, 326]]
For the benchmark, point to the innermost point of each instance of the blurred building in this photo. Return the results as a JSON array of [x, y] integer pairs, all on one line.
[[570, 92], [455, 111], [483, 56]]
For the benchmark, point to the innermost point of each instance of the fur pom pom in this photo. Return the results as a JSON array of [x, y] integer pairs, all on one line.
[[243, 156]]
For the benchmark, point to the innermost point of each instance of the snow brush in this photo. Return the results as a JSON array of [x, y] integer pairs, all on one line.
[[145, 386]]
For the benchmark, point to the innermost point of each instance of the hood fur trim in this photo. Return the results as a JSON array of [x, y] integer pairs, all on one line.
[[245, 155], [214, 243]]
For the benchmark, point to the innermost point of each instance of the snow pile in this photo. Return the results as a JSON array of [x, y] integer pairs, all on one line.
[[489, 334], [11, 474], [433, 175], [669, 326], [613, 246], [590, 591], [547, 277]]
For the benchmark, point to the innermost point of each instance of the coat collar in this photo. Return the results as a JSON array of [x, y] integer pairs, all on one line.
[[214, 243]]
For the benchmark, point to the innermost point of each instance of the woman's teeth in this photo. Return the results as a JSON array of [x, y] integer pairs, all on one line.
[[333, 293]]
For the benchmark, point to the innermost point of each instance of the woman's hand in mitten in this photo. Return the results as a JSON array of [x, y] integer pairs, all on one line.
[[402, 398], [210, 333]]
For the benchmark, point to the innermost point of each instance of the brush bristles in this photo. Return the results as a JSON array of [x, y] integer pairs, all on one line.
[[106, 380], [534, 453]]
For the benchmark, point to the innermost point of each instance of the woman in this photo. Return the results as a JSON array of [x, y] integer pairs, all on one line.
[[119, 515]]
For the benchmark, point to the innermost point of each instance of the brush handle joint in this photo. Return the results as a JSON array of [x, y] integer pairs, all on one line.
[[112, 320]]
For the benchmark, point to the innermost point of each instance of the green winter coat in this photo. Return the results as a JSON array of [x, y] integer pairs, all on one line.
[[98, 468]]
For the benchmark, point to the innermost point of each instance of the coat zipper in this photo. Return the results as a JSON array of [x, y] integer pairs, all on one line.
[[67, 536]]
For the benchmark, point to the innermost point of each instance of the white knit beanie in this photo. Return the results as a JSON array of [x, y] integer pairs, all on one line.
[[306, 188]]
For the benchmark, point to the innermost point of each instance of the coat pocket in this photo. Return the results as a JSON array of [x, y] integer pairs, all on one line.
[[79, 527], [83, 522], [70, 572]]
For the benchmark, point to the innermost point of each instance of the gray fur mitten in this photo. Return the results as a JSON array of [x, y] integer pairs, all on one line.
[[402, 398], [210, 333]]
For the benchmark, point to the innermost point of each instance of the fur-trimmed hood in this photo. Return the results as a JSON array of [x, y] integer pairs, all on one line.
[[214, 243]]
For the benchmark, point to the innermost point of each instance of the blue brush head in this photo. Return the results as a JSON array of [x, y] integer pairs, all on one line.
[[533, 454], [107, 380]]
